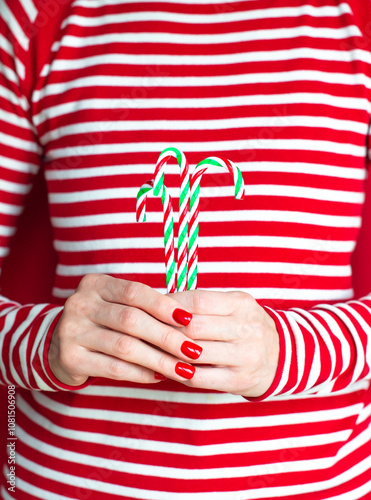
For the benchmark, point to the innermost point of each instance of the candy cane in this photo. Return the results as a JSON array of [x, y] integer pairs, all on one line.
[[184, 198], [195, 181], [146, 189]]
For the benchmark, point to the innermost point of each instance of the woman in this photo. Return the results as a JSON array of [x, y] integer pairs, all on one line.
[[258, 384]]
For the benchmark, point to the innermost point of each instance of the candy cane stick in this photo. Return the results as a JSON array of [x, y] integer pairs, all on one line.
[[164, 157], [145, 190], [239, 194]]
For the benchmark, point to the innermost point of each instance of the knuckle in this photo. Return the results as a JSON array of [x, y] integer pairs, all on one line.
[[201, 381], [143, 377], [66, 328], [132, 290], [166, 337], [241, 297], [199, 300], [68, 358], [89, 281], [71, 304], [115, 369], [196, 329], [128, 317], [124, 345], [161, 363], [77, 304]]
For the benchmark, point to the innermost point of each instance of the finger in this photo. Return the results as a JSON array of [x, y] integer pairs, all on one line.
[[141, 325], [133, 350], [210, 302], [218, 353], [216, 328], [227, 380], [97, 364], [213, 378], [162, 307]]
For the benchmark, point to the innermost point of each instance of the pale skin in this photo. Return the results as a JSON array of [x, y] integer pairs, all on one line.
[[124, 330]]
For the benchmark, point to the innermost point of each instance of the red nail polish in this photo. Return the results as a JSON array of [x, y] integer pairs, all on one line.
[[159, 376], [182, 317], [191, 350], [186, 371]]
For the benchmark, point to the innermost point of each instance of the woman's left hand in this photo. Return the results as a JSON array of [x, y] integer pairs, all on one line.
[[239, 339]]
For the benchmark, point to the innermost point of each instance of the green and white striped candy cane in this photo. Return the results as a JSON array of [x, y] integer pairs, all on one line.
[[165, 156], [145, 190], [239, 193]]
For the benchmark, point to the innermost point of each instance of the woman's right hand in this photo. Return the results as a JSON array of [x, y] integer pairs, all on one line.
[[120, 330]]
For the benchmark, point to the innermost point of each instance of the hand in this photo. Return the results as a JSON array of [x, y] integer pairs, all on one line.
[[239, 339], [121, 330]]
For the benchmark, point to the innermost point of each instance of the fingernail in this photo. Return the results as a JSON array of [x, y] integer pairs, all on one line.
[[186, 371], [159, 376], [182, 317], [191, 350]]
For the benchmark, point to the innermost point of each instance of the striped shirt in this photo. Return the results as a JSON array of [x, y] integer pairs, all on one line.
[[90, 92]]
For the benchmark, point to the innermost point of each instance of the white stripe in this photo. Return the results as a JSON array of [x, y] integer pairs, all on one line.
[[224, 17], [361, 354], [19, 143], [14, 119], [123, 105], [10, 318], [156, 394], [194, 397], [259, 293], [7, 208], [366, 329], [236, 215], [4, 251], [287, 354], [20, 68], [210, 242], [251, 122], [148, 268], [315, 365], [196, 424], [239, 145], [14, 26], [9, 74], [30, 9], [299, 347], [365, 414], [7, 230], [335, 329], [202, 81], [39, 344], [32, 489], [9, 322], [305, 168], [212, 59], [6, 45], [261, 166], [216, 191], [18, 166], [93, 4], [14, 187], [13, 98], [295, 192], [208, 39]]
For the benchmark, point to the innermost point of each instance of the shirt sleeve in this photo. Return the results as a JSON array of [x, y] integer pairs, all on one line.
[[25, 330], [323, 350]]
